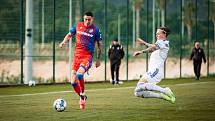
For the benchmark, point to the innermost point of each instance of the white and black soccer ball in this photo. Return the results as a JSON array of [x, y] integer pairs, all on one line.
[[59, 105], [31, 83]]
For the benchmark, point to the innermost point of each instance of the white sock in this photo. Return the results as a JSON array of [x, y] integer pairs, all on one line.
[[147, 94], [150, 86]]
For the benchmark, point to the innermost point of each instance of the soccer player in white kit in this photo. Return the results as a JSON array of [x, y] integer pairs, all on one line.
[[146, 87]]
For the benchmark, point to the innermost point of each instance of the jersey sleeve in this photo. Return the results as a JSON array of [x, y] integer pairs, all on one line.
[[162, 44], [98, 35], [73, 30]]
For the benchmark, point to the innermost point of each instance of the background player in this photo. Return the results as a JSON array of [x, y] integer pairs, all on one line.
[[146, 87], [197, 55], [87, 34], [115, 54]]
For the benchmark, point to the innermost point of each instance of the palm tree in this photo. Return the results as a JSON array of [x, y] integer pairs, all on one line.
[[189, 10]]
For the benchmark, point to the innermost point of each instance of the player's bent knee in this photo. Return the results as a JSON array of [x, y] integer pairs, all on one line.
[[143, 94], [79, 76], [146, 94], [136, 93], [141, 86], [139, 94], [74, 84]]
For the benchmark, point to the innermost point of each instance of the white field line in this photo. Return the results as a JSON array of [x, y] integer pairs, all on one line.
[[45, 93], [194, 83], [94, 90]]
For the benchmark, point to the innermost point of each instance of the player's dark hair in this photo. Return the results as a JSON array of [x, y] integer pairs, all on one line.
[[195, 42], [166, 30], [88, 13], [116, 40]]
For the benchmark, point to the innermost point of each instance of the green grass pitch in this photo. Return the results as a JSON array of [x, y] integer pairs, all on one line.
[[195, 101]]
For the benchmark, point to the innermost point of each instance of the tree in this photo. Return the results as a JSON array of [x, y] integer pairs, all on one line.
[[212, 15], [189, 10], [9, 20], [137, 6], [161, 4]]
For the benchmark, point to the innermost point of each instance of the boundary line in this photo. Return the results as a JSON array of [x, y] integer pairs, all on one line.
[[93, 90]]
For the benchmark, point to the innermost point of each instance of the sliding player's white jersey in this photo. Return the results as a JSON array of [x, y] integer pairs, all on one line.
[[159, 56]]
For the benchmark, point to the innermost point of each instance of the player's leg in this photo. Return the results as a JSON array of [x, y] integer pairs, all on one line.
[[152, 94], [112, 68], [147, 94], [75, 83], [149, 86], [117, 72], [153, 87], [144, 85], [195, 65], [198, 70], [80, 78], [84, 66], [149, 80]]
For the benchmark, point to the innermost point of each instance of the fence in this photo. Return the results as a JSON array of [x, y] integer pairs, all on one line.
[[188, 20]]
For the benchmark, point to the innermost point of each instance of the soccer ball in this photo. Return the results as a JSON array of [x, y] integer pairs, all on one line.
[[59, 105], [31, 83]]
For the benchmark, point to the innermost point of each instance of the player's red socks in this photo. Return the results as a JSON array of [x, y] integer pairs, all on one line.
[[80, 78], [82, 85], [77, 88], [79, 84]]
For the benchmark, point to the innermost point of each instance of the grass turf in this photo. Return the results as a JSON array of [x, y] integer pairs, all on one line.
[[195, 101]]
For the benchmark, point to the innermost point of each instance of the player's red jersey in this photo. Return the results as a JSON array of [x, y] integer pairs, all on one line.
[[86, 37]]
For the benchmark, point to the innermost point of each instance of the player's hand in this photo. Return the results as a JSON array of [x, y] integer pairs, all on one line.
[[62, 44], [98, 63], [137, 53], [140, 41]]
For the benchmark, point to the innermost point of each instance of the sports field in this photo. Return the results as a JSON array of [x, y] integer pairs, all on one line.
[[195, 101]]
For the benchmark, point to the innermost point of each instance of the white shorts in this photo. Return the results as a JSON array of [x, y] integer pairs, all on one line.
[[154, 75]]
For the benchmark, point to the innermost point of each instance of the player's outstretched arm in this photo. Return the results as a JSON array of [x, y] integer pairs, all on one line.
[[142, 42], [137, 53], [65, 40], [147, 50]]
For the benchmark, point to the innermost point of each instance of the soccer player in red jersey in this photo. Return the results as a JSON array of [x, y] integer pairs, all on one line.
[[87, 34]]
